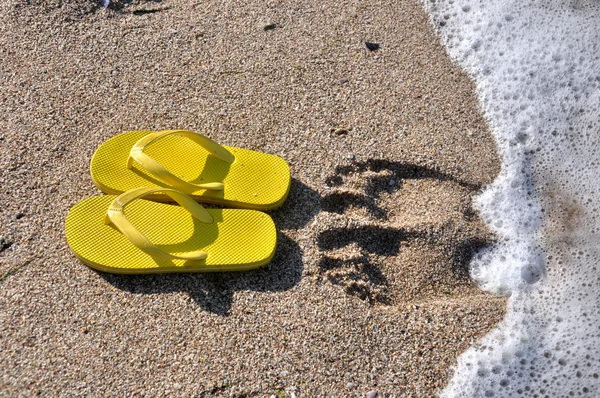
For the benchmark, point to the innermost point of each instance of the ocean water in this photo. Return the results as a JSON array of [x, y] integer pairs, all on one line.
[[536, 65]]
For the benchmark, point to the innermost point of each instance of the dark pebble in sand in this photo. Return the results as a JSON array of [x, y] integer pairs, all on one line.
[[372, 46], [270, 26], [4, 244], [340, 132], [145, 12], [19, 216]]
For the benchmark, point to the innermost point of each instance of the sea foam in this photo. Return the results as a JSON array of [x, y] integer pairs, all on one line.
[[536, 64]]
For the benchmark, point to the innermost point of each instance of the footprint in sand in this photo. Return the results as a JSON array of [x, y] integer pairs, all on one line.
[[398, 232]]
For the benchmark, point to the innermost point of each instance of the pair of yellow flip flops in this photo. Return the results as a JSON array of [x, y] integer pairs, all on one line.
[[157, 237]]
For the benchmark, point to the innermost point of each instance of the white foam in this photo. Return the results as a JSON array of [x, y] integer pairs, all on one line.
[[536, 64]]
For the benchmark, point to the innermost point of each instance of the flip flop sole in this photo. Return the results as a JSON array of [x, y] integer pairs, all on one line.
[[237, 240], [255, 180]]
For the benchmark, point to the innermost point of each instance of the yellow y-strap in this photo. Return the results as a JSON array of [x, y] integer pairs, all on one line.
[[157, 170], [116, 216]]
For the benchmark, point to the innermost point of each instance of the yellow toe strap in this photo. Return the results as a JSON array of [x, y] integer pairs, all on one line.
[[156, 169], [116, 216]]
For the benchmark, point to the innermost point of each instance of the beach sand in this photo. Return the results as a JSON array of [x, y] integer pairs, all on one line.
[[369, 290]]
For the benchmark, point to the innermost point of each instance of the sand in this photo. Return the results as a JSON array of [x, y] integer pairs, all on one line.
[[369, 290]]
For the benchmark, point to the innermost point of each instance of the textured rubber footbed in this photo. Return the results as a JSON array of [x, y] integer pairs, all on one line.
[[255, 180], [237, 240]]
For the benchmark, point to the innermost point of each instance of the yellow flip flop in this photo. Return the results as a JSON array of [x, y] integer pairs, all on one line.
[[193, 164], [166, 238]]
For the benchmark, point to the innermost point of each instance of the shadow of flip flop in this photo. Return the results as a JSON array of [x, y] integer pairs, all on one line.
[[214, 291]]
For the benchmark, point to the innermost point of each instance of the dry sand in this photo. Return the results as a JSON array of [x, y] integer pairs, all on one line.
[[369, 290]]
